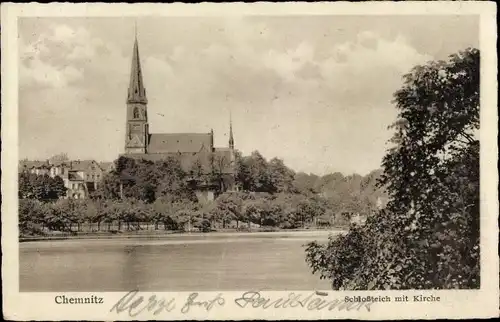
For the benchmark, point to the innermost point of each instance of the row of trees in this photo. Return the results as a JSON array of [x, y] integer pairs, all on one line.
[[428, 235], [236, 210], [147, 181], [274, 196]]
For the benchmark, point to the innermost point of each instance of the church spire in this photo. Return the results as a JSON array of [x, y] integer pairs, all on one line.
[[231, 139], [136, 90]]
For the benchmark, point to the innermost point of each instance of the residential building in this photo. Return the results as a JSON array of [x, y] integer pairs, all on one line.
[[81, 177]]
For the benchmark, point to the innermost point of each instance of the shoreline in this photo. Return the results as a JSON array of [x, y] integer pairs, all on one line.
[[171, 235]]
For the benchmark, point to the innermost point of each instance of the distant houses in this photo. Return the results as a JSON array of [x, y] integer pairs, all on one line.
[[81, 177]]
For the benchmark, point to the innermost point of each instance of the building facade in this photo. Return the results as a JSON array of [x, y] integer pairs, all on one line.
[[195, 151], [80, 177]]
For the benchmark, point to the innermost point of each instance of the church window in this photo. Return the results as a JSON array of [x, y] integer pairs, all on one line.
[[136, 113]]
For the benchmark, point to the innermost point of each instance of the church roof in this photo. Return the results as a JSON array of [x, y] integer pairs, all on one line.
[[225, 153], [179, 142], [190, 161]]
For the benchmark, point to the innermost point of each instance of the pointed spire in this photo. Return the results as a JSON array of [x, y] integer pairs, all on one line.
[[231, 139], [136, 90]]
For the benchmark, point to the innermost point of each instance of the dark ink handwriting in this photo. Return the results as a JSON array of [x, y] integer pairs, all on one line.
[[313, 301], [208, 305], [136, 304]]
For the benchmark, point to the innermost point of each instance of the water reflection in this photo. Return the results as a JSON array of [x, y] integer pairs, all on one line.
[[204, 263]]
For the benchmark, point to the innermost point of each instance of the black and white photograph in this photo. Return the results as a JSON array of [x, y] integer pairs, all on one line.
[[229, 153]]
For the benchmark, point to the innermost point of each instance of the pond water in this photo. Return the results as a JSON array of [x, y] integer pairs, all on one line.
[[262, 261]]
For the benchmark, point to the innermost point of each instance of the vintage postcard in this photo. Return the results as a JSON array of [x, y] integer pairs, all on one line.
[[269, 161]]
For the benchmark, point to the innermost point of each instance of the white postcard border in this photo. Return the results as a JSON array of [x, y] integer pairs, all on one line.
[[454, 304]]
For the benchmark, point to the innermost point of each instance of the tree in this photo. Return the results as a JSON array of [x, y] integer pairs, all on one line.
[[95, 212], [280, 176], [31, 217], [218, 166], [172, 181], [197, 168], [40, 187], [56, 188], [258, 175], [145, 180], [428, 235], [109, 187], [59, 158], [25, 185], [228, 207], [305, 183], [242, 171]]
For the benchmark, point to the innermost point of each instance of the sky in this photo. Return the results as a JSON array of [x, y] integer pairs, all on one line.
[[315, 91]]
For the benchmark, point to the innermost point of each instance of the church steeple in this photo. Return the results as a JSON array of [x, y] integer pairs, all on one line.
[[137, 131], [231, 139], [136, 90]]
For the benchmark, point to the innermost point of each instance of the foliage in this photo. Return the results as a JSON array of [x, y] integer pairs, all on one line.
[[162, 194], [428, 236], [145, 180], [237, 210], [40, 187]]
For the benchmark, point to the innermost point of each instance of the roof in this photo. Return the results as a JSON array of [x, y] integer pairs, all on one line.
[[78, 165], [225, 159], [189, 161], [106, 166], [33, 164], [74, 176], [82, 165], [179, 142], [59, 163]]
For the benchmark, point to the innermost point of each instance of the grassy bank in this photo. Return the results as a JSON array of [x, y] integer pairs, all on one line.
[[171, 234]]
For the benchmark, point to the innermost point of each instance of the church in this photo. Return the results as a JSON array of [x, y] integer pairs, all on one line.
[[194, 151]]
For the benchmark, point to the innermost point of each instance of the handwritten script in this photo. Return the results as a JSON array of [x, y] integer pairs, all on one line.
[[312, 301], [134, 303]]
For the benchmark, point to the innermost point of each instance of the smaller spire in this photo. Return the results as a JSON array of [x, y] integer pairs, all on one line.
[[231, 139]]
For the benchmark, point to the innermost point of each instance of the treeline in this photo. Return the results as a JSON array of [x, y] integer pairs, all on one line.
[[161, 195], [147, 181], [237, 210], [427, 237]]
